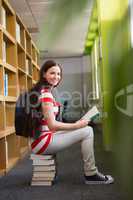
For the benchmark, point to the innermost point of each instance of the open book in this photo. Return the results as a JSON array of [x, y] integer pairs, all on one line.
[[91, 114]]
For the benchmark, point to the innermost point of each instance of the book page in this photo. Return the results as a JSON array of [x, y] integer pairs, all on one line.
[[91, 114]]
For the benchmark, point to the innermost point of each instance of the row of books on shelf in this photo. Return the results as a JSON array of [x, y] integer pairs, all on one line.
[[44, 170]]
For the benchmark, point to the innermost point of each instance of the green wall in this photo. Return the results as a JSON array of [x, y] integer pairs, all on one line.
[[115, 42], [117, 79]]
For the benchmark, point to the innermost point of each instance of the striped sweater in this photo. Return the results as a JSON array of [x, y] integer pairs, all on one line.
[[40, 144]]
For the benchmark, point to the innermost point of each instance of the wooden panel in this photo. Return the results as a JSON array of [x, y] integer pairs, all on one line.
[[2, 118], [22, 81], [3, 154], [10, 111]]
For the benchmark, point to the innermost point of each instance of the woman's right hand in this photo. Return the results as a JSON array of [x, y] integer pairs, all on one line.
[[81, 123]]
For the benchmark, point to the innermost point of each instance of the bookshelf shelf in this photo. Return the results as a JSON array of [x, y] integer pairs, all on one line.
[[10, 99], [19, 60], [10, 67], [1, 98], [8, 36], [7, 131], [19, 46]]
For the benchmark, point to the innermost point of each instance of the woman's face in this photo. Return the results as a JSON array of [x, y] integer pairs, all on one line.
[[53, 75]]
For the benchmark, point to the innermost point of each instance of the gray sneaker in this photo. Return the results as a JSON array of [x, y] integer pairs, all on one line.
[[99, 178]]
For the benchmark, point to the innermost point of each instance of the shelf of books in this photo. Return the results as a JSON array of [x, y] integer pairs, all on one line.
[[19, 70]]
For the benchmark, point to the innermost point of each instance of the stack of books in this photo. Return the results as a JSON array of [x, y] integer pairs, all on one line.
[[44, 170]]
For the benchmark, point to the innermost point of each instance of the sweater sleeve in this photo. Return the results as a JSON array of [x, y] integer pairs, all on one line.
[[46, 96]]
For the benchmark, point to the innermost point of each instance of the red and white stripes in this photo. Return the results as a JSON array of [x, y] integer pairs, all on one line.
[[39, 145]]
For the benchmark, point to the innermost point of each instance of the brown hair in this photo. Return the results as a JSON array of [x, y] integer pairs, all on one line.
[[44, 68]]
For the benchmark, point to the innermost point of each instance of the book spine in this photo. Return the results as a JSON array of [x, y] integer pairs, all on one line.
[[18, 33], [43, 162], [5, 84], [43, 175], [44, 168], [27, 66], [41, 157], [4, 51]]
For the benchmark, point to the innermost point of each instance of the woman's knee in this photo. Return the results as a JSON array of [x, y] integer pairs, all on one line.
[[88, 130]]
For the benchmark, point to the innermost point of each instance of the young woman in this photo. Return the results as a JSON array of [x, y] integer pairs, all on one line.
[[52, 136]]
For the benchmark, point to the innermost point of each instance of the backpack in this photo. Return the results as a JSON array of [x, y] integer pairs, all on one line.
[[26, 116]]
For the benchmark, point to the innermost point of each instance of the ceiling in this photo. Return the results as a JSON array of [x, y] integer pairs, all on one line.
[[34, 13]]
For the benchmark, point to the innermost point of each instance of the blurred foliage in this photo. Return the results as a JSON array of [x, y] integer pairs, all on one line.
[[118, 64]]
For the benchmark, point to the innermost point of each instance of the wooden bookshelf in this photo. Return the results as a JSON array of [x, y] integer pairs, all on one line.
[[2, 80], [11, 82], [2, 120], [9, 50], [20, 32], [3, 155], [35, 72], [12, 153], [8, 19], [21, 58], [19, 70], [1, 39], [29, 82], [28, 43], [9, 114], [28, 66], [22, 81]]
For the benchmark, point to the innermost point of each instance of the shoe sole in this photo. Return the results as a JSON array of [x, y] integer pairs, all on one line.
[[109, 181]]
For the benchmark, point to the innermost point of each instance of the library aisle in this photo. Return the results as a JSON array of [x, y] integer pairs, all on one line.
[[70, 183]]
